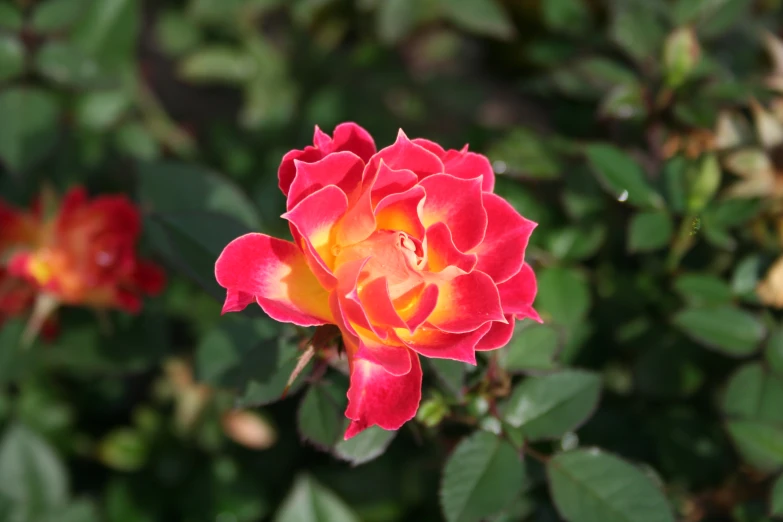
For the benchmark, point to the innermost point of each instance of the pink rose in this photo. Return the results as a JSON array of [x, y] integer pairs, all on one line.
[[406, 250]]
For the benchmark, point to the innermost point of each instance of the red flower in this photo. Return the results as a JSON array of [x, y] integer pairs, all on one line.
[[406, 250], [86, 254], [17, 230]]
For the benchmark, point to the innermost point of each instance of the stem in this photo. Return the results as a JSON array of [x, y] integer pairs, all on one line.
[[43, 308], [160, 124], [682, 243], [535, 454]]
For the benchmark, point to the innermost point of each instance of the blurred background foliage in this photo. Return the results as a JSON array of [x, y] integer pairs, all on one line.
[[645, 137]]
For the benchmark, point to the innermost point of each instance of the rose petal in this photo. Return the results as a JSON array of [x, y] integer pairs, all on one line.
[[400, 212], [518, 293], [502, 252], [395, 359], [314, 218], [343, 169], [351, 309], [405, 154], [149, 278], [466, 302], [498, 335], [462, 164], [416, 305], [430, 146], [457, 203], [276, 272], [442, 253], [347, 137], [433, 342], [359, 221], [377, 304], [236, 301], [390, 181], [378, 398]]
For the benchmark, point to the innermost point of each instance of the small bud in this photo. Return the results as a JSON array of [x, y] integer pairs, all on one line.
[[681, 54], [704, 181], [123, 449], [432, 412], [248, 429]]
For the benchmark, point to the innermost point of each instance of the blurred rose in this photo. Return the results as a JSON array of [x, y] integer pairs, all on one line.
[[85, 254], [406, 250]]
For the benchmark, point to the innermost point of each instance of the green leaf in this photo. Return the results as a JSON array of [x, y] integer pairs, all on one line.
[[160, 189], [567, 16], [134, 139], [78, 511], [108, 31], [481, 477], [710, 18], [28, 128], [192, 242], [532, 348], [219, 64], [547, 407], [66, 64], [11, 57], [624, 102], [703, 289], [776, 498], [176, 33], [262, 390], [773, 353], [753, 393], [10, 17], [320, 416], [523, 153], [99, 110], [576, 242], [309, 501], [55, 15], [730, 330], [731, 213], [622, 176], [592, 486], [752, 402], [760, 443], [13, 359], [364, 447], [746, 276], [483, 17], [32, 476], [395, 19], [563, 295], [250, 356], [649, 231], [450, 373], [637, 28]]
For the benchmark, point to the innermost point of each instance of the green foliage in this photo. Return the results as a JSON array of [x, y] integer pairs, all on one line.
[[621, 127], [481, 477], [592, 486]]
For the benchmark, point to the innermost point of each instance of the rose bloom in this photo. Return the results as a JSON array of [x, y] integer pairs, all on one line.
[[85, 253], [17, 230], [406, 250]]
